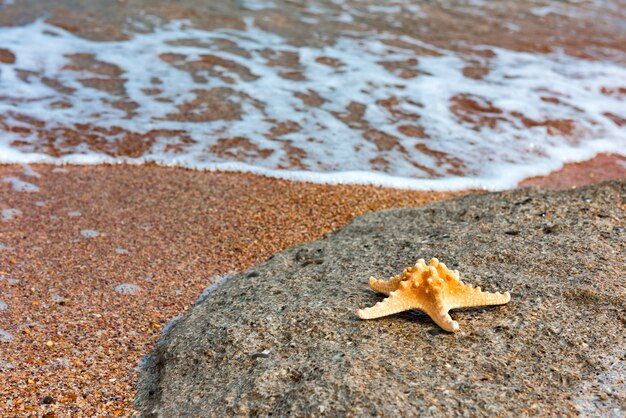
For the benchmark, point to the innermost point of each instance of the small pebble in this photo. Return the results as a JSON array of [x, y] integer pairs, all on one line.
[[121, 251]]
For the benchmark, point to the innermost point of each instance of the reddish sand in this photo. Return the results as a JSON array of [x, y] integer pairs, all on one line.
[[601, 168]]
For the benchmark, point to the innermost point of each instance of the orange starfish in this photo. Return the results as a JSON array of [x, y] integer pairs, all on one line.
[[432, 289]]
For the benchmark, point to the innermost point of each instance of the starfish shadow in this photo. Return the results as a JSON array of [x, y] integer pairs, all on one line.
[[422, 319]]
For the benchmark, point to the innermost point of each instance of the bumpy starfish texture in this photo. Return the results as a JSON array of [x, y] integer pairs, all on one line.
[[432, 289]]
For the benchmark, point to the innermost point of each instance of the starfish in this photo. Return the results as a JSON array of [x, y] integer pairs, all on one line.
[[432, 289]]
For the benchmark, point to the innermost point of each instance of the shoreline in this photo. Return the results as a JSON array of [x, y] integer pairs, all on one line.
[[101, 258], [601, 167]]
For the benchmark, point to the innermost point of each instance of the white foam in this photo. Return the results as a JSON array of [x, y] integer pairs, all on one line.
[[217, 282], [255, 4], [3, 306], [512, 27], [20, 185], [6, 366], [556, 9], [393, 9], [10, 214], [166, 330], [121, 251], [62, 362], [73, 214], [28, 171], [89, 233], [384, 9], [168, 327], [9, 280], [127, 288], [492, 157], [5, 337]]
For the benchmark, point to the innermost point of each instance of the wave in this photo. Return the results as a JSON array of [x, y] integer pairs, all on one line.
[[369, 108]]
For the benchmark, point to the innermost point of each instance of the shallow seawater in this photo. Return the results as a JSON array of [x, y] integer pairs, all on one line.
[[395, 93]]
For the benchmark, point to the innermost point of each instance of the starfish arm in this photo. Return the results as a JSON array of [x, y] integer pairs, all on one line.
[[385, 287], [442, 318], [466, 296], [400, 300]]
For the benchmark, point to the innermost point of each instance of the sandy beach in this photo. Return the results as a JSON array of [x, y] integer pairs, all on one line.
[[72, 336]]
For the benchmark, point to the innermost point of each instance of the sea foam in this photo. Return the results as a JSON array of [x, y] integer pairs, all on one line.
[[505, 137]]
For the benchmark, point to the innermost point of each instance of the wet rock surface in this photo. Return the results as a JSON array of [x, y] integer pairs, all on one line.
[[283, 338]]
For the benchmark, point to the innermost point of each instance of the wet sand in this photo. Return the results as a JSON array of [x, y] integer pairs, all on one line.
[[600, 168], [71, 341]]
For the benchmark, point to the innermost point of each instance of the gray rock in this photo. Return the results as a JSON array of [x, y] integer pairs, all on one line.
[[283, 338]]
